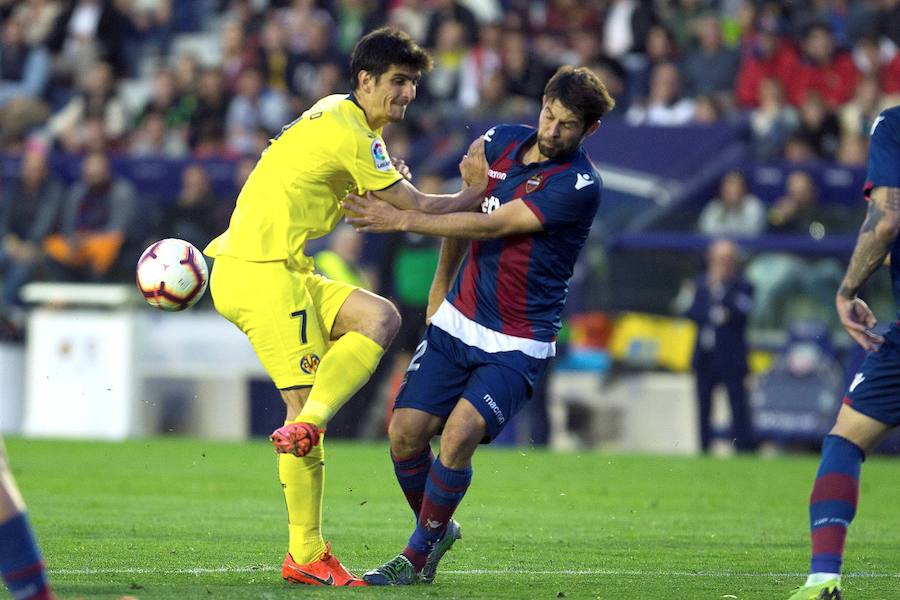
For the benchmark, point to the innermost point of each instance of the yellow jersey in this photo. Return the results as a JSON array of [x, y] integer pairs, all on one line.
[[294, 192]]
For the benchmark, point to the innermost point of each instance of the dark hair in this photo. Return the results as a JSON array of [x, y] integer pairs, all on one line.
[[376, 51], [581, 91]]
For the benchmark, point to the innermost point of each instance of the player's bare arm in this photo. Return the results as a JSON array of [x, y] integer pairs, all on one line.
[[473, 169], [876, 236], [369, 214], [452, 252]]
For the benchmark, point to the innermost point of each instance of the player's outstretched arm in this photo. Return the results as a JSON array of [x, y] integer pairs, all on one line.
[[376, 216], [473, 168], [876, 237]]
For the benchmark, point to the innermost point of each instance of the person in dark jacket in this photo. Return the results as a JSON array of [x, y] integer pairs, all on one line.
[[722, 300]]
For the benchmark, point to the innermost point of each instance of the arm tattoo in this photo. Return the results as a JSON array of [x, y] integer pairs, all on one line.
[[871, 248]]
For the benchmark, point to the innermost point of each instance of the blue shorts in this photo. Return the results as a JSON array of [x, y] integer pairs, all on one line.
[[444, 369], [875, 389]]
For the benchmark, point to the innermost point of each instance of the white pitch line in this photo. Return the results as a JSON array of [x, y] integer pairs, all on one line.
[[608, 572]]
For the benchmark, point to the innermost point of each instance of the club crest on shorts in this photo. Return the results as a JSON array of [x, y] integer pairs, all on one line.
[[309, 363], [534, 183]]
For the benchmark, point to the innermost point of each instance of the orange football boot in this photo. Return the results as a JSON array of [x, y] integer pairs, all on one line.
[[327, 570]]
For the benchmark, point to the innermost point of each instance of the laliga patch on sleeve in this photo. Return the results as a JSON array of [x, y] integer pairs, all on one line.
[[380, 155]]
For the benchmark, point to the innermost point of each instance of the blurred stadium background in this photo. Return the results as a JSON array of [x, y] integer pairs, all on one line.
[[132, 120]]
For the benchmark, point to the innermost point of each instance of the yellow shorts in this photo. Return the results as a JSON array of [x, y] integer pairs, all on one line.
[[286, 313]]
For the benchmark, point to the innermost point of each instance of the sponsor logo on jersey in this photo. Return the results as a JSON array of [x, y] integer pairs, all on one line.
[[496, 174], [534, 183], [489, 205], [380, 155], [309, 364]]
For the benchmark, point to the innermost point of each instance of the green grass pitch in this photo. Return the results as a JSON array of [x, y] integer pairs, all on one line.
[[181, 519]]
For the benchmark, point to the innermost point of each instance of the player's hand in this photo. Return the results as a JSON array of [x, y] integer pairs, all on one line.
[[402, 168], [474, 166], [371, 215], [858, 319]]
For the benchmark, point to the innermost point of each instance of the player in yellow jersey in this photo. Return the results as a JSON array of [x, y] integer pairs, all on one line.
[[320, 340]]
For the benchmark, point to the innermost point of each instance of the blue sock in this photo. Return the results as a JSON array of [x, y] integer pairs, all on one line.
[[412, 473], [832, 504], [443, 493], [20, 560]]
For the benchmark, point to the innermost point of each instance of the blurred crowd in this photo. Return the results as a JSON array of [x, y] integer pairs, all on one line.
[[211, 79]]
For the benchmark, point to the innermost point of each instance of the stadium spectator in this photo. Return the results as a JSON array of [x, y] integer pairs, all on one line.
[[766, 56], [707, 110], [480, 63], [24, 72], [411, 16], [296, 20], [710, 68], [207, 121], [660, 49], [274, 55], [94, 115], [823, 69], [852, 151], [773, 122], [777, 276], [24, 67], [522, 69], [41, 16], [665, 106], [625, 28], [443, 83], [722, 301], [87, 31], [735, 213], [879, 60], [198, 215], [97, 217], [450, 10], [819, 126], [253, 108], [165, 101], [238, 54], [305, 70], [796, 210], [29, 212], [154, 139], [858, 115]]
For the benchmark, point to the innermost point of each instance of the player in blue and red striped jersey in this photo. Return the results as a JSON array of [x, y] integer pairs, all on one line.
[[872, 404], [491, 336], [21, 564]]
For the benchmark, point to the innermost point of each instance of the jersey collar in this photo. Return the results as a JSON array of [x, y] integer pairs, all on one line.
[[353, 99]]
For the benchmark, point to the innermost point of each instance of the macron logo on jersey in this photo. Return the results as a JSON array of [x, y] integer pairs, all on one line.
[[582, 180], [496, 174]]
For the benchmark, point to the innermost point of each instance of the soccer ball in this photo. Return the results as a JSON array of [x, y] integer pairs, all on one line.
[[172, 275]]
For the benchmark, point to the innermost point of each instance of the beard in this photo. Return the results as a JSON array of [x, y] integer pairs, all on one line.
[[552, 150]]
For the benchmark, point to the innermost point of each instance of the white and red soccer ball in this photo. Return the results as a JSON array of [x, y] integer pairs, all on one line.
[[172, 275]]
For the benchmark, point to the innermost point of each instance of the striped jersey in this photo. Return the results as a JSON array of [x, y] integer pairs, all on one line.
[[509, 292]]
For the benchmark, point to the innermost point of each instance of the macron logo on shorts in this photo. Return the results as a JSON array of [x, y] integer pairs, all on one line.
[[499, 413]]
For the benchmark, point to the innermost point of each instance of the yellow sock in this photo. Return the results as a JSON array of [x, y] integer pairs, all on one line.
[[302, 482], [344, 369]]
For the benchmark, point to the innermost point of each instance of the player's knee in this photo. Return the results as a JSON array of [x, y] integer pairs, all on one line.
[[386, 322], [458, 446], [405, 440]]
